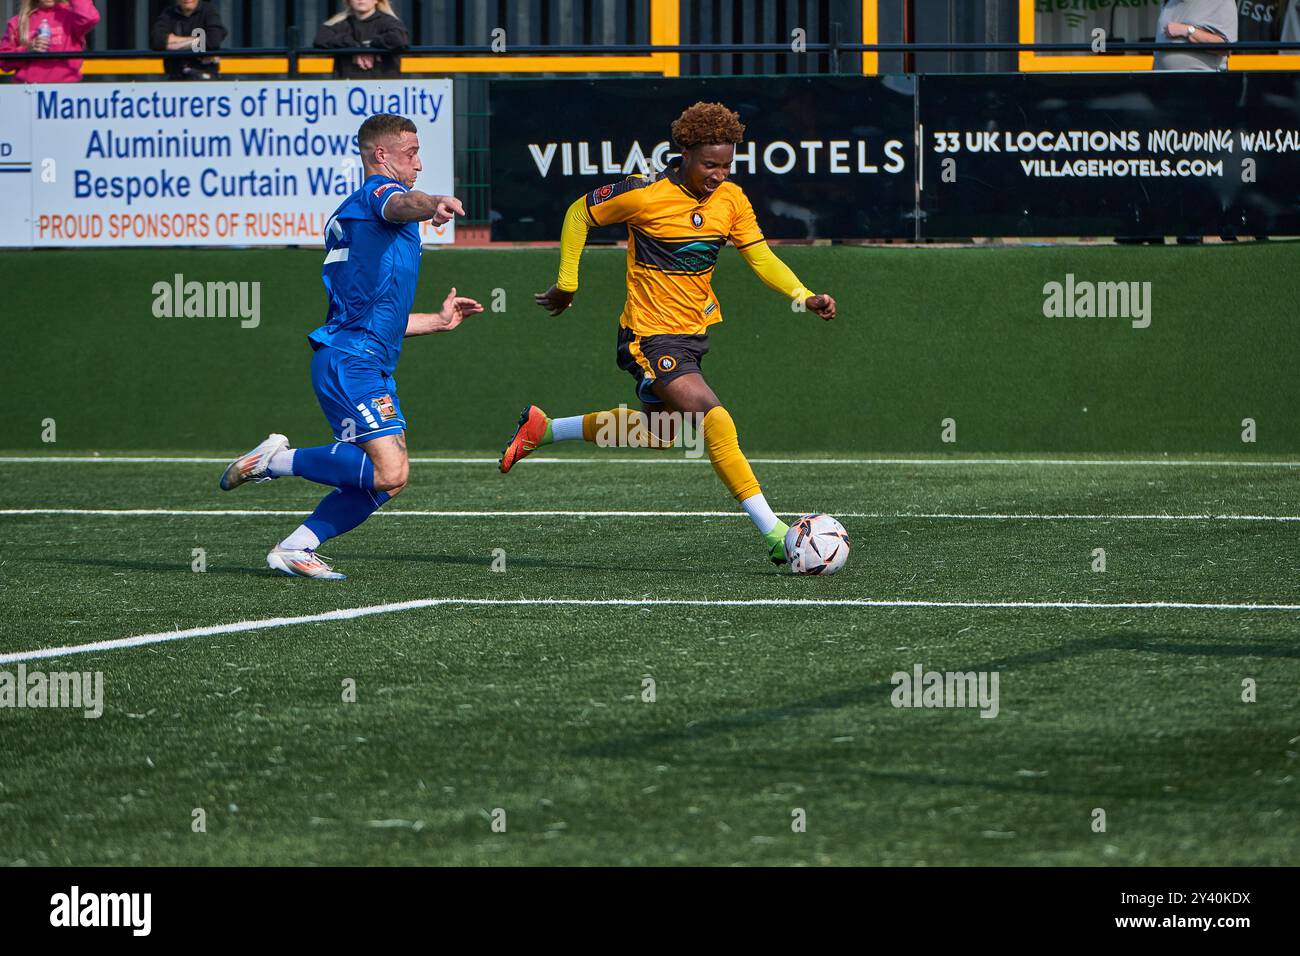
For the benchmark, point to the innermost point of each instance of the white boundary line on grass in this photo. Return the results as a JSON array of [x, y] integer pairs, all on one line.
[[397, 513], [346, 614], [674, 459], [351, 613]]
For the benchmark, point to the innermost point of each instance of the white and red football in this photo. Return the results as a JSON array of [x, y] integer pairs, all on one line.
[[816, 544]]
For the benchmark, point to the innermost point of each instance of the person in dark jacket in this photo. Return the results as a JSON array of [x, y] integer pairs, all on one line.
[[175, 29], [364, 23]]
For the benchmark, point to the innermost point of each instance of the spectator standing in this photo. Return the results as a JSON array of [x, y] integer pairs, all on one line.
[[176, 29], [1185, 23], [48, 26], [1182, 25], [365, 23]]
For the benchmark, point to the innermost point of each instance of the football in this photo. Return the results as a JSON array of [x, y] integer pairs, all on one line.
[[816, 544]]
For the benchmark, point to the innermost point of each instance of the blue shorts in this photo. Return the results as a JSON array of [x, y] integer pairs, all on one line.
[[358, 397]]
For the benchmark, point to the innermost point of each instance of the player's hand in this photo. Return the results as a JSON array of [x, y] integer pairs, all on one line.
[[554, 300], [448, 208], [822, 305], [455, 309]]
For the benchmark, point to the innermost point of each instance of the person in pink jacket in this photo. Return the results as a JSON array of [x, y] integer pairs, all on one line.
[[48, 26]]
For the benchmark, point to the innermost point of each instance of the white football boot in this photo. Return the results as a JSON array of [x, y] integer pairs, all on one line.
[[252, 466], [301, 564]]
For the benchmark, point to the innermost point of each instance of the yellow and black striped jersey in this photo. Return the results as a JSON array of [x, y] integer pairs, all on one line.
[[673, 241]]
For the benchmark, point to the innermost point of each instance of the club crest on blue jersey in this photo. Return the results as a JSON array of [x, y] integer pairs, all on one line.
[[384, 406]]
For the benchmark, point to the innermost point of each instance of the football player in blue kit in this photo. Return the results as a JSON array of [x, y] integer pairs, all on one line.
[[372, 264]]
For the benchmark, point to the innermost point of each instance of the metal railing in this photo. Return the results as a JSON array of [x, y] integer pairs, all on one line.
[[830, 48]]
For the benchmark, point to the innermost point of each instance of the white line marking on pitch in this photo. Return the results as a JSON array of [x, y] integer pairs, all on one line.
[[676, 460], [346, 614], [938, 516]]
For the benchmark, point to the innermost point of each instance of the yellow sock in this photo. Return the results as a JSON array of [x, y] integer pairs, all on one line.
[[724, 451], [621, 427]]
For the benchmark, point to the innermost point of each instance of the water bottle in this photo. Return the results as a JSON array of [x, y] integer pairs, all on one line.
[[44, 32]]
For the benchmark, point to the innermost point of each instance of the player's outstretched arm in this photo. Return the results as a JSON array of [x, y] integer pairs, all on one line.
[[455, 309], [415, 206], [573, 237], [776, 275]]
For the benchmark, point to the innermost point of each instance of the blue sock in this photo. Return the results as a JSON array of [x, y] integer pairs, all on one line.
[[342, 510], [342, 465]]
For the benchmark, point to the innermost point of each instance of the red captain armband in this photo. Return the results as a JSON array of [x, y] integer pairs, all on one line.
[[379, 202]]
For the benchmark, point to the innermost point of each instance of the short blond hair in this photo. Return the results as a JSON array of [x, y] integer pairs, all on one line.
[[381, 125]]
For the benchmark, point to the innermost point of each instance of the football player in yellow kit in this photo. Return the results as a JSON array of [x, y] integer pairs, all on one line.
[[677, 222]]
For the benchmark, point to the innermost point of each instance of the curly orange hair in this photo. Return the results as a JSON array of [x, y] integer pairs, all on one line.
[[707, 124]]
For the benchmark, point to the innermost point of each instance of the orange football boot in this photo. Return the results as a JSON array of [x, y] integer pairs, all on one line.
[[528, 436]]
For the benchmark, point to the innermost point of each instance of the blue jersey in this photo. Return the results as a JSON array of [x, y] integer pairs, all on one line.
[[370, 273]]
